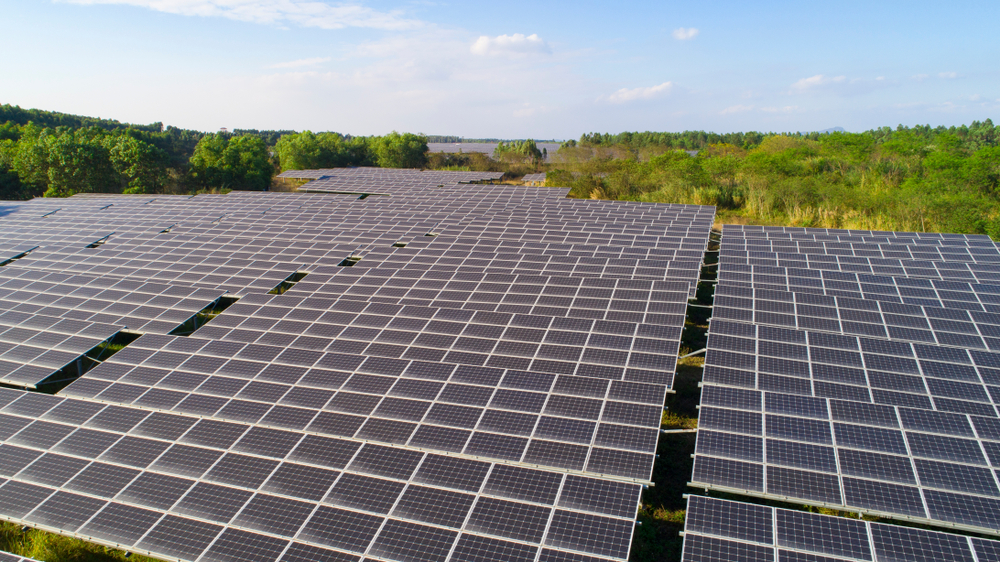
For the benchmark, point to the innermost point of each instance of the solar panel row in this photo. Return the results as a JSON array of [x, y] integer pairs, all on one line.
[[7, 557], [880, 319], [986, 272], [391, 175], [962, 250], [789, 232], [727, 531], [151, 307], [905, 290]]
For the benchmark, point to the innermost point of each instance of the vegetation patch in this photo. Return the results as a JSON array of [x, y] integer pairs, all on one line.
[[50, 547]]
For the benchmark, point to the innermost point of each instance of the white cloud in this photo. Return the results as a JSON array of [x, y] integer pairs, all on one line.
[[517, 44], [300, 63], [816, 81], [305, 13], [626, 95], [947, 75], [685, 33], [736, 109]]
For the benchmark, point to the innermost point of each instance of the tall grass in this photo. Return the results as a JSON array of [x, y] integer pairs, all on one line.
[[49, 547]]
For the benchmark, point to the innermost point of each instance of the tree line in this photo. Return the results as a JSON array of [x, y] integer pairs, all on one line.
[[976, 133], [44, 153], [308, 150], [908, 178], [62, 161]]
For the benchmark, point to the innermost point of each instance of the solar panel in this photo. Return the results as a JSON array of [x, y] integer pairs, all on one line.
[[723, 530], [8, 557]]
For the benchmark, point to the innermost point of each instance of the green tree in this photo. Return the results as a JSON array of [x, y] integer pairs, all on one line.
[[308, 151], [399, 150], [982, 170], [299, 151], [517, 151], [10, 131], [852, 147], [78, 163], [11, 187], [240, 162], [63, 162], [141, 166], [29, 157]]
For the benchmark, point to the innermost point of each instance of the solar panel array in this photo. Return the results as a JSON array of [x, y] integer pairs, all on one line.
[[727, 531], [433, 388], [537, 178], [392, 175], [382, 181], [854, 370]]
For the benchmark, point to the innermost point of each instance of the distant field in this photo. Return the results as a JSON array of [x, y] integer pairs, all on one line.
[[484, 147]]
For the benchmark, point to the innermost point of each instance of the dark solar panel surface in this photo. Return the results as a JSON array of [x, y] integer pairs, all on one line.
[[485, 383], [723, 531], [874, 393]]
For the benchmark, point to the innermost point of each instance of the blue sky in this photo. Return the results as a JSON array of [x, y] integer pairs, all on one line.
[[513, 69]]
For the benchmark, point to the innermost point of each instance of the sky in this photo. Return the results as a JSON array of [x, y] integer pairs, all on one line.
[[512, 69]]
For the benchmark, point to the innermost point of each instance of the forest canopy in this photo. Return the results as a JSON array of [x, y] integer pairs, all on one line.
[[45, 153]]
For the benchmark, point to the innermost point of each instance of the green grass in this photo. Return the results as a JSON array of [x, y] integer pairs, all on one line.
[[662, 510], [50, 547]]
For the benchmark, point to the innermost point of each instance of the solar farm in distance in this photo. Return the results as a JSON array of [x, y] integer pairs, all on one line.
[[402, 365]]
